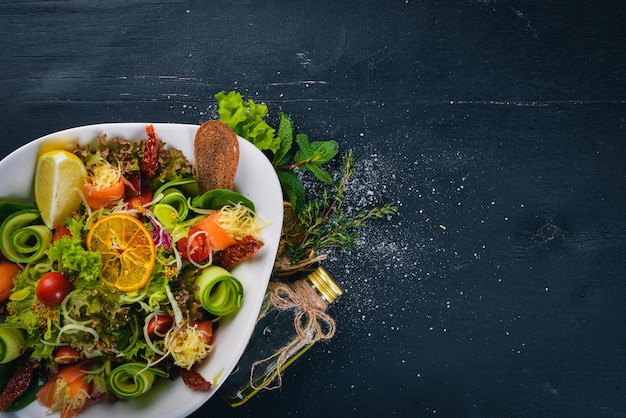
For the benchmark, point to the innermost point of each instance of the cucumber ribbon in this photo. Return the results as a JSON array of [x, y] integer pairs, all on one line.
[[219, 291], [12, 343], [23, 238], [133, 379], [9, 208]]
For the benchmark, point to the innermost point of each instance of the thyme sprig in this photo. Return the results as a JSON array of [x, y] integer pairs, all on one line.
[[323, 224]]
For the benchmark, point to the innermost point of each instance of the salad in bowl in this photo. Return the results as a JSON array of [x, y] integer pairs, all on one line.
[[125, 287]]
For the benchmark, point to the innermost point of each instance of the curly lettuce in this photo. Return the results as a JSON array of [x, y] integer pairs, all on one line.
[[74, 261], [127, 155], [246, 119], [172, 165]]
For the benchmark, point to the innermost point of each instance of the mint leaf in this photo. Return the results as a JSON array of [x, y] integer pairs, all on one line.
[[293, 188], [324, 151], [318, 152], [319, 172], [305, 151], [285, 135]]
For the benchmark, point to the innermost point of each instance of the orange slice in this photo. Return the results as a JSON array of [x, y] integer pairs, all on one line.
[[127, 250]]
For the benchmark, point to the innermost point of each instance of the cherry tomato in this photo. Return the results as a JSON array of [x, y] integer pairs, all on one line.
[[67, 355], [206, 328], [195, 246], [61, 232], [159, 325], [52, 288]]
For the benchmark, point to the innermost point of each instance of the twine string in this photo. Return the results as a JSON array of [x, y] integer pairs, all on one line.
[[311, 323]]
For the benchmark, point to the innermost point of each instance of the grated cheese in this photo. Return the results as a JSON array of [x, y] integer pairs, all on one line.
[[239, 221], [64, 400], [104, 175], [186, 345]]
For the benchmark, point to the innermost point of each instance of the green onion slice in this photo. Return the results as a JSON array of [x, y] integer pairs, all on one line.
[[219, 291], [177, 199], [23, 238], [166, 214], [188, 185], [133, 379], [173, 208]]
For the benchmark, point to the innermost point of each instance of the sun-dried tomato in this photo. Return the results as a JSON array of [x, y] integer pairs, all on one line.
[[150, 158], [232, 255], [132, 180], [194, 380], [18, 383]]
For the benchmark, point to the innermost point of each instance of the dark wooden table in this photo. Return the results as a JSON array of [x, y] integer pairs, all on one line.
[[497, 126]]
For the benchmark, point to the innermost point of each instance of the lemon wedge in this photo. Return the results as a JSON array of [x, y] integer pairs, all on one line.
[[59, 180]]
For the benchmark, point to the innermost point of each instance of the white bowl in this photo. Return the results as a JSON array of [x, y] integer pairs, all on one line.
[[255, 179]]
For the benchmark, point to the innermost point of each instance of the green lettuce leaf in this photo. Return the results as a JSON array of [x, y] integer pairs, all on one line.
[[245, 118], [74, 261]]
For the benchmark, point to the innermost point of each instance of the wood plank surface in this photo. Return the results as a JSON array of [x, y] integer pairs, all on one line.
[[497, 126]]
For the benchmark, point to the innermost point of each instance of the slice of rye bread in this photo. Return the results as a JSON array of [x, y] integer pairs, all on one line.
[[216, 154]]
